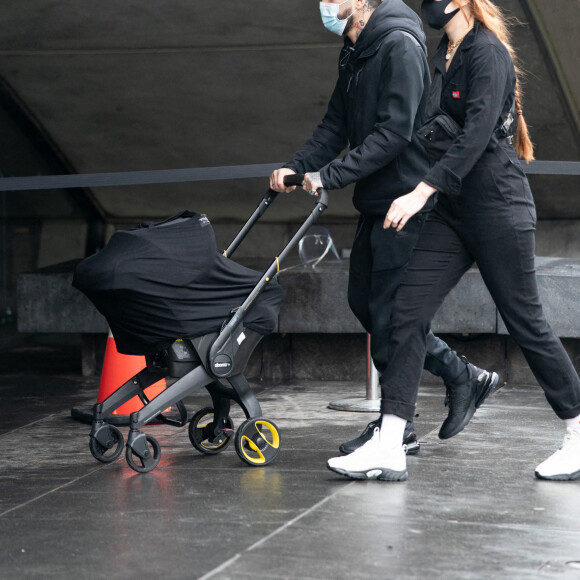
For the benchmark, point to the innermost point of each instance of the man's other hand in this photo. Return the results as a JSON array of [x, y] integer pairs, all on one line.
[[277, 180]]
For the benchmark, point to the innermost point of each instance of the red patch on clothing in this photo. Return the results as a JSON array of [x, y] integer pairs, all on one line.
[[455, 94]]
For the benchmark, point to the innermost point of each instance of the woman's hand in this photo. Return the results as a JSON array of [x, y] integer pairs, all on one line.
[[406, 206]]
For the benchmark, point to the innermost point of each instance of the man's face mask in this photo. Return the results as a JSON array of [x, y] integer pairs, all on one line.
[[434, 13], [329, 13]]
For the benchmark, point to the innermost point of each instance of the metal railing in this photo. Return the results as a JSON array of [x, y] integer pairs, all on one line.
[[91, 180]]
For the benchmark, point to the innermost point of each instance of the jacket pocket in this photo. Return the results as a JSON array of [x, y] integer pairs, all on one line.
[[515, 191], [454, 98], [392, 249]]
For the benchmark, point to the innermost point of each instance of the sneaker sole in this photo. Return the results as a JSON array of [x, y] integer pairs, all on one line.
[[460, 427], [377, 473], [560, 477], [347, 450], [412, 448], [489, 387]]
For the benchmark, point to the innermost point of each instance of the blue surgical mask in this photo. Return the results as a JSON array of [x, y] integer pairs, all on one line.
[[330, 19]]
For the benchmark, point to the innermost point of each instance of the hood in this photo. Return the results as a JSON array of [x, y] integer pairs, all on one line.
[[388, 16]]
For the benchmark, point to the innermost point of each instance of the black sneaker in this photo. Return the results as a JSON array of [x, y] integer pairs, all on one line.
[[410, 442], [465, 397]]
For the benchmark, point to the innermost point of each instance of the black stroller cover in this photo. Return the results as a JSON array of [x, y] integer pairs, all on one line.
[[166, 280]]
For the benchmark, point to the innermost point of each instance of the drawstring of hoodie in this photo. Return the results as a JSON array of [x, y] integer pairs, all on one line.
[[343, 63], [352, 75]]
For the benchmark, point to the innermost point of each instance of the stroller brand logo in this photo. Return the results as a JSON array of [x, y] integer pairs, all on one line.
[[221, 365], [203, 220]]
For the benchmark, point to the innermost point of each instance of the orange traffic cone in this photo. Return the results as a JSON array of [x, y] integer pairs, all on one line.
[[117, 370]]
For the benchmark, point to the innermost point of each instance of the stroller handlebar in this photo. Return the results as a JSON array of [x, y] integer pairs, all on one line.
[[294, 179], [226, 335], [298, 178], [268, 199]]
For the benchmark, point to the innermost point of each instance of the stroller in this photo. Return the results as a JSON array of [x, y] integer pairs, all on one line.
[[197, 323]]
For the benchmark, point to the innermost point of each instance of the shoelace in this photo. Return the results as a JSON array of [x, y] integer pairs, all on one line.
[[447, 396], [481, 377], [450, 393]]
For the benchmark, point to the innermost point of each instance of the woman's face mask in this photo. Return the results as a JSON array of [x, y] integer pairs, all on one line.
[[329, 13], [434, 13]]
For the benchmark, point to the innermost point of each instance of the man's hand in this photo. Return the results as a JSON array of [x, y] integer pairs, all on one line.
[[406, 206], [312, 183], [277, 180]]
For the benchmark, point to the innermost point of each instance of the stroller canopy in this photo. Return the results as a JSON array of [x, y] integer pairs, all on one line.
[[166, 280]]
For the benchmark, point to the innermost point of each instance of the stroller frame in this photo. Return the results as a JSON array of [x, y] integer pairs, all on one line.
[[213, 356]]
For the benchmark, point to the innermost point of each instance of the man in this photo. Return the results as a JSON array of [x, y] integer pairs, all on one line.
[[375, 109]]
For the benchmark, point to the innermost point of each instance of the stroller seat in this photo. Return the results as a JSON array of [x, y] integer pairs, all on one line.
[[149, 292]]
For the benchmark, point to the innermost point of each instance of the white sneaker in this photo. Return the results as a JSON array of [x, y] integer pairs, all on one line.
[[563, 465], [372, 461]]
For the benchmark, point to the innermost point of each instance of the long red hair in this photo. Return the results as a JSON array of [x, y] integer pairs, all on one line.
[[494, 19]]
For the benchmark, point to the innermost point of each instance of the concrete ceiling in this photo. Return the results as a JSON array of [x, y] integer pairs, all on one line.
[[137, 85]]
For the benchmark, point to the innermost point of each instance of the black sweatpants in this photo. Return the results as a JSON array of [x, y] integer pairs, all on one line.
[[378, 261], [491, 223]]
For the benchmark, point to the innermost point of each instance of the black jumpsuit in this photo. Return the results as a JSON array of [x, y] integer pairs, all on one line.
[[485, 214]]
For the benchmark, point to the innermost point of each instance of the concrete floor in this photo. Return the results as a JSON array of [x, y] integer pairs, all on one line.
[[470, 509]]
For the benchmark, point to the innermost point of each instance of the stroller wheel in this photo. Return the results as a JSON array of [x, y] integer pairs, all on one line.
[[202, 432], [106, 444], [143, 456], [257, 441]]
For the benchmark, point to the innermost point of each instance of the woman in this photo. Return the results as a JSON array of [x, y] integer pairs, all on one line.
[[485, 214]]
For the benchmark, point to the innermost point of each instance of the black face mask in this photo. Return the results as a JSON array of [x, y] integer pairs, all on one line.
[[434, 13]]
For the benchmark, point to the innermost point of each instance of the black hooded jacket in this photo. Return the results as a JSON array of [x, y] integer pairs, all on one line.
[[375, 110]]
